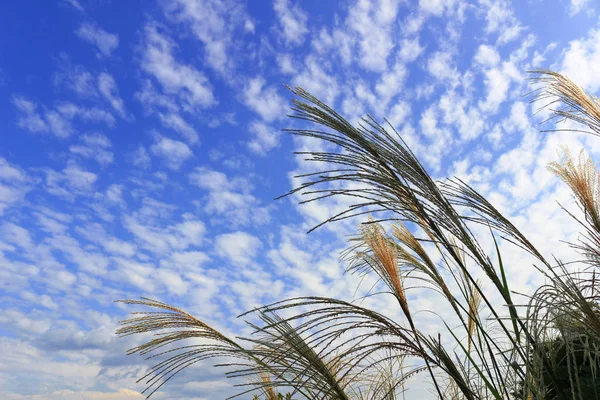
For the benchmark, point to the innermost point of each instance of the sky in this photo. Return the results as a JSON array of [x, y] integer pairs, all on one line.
[[141, 152]]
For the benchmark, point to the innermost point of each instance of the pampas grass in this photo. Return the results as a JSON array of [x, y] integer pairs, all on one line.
[[327, 348]]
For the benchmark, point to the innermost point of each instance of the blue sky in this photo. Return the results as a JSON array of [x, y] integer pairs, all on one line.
[[141, 150]]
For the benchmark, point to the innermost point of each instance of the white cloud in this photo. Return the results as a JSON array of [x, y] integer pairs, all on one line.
[[77, 79], [373, 22], [581, 61], [165, 239], [104, 41], [173, 282], [434, 7], [314, 79], [23, 323], [66, 394], [211, 180], [292, 20], [90, 148], [71, 181], [412, 24], [358, 102], [108, 89], [398, 113], [500, 19], [114, 194], [29, 119], [95, 233], [52, 222], [75, 4], [216, 23], [264, 101], [51, 120], [152, 100], [239, 247], [69, 111], [229, 198], [265, 138], [178, 124], [189, 84], [410, 50], [286, 64], [15, 234], [390, 83], [498, 81], [186, 260], [428, 122], [10, 173], [59, 120], [464, 117], [487, 56], [441, 66], [141, 158], [173, 152], [577, 6]]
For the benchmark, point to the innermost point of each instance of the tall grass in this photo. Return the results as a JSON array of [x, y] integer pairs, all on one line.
[[493, 347]]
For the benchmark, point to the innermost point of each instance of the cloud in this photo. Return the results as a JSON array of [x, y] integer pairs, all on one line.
[[95, 233], [487, 56], [22, 323], [50, 121], [75, 4], [69, 111], [410, 50], [292, 20], [229, 198], [94, 146], [315, 78], [14, 234], [141, 158], [434, 7], [500, 19], [398, 112], [58, 125], [265, 138], [286, 64], [186, 260], [14, 185], [77, 79], [70, 182], [29, 119], [178, 124], [152, 100], [581, 61], [239, 248], [441, 66], [218, 25], [66, 394], [390, 83], [59, 120], [104, 41], [498, 81], [577, 6], [187, 83], [108, 89], [173, 152], [165, 239], [373, 23], [266, 102]]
